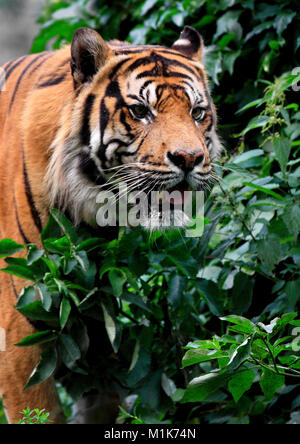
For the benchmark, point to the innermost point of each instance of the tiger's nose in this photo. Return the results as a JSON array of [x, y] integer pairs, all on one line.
[[186, 160]]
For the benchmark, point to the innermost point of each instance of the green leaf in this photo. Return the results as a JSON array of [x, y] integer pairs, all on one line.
[[175, 289], [283, 20], [64, 312], [117, 279], [82, 258], [136, 300], [65, 225], [244, 157], [242, 293], [36, 311], [256, 103], [213, 64], [45, 296], [245, 324], [230, 59], [204, 344], [259, 29], [240, 383], [264, 190], [211, 294], [228, 23], [20, 271], [69, 350], [90, 244], [240, 355], [256, 122], [270, 251], [291, 218], [203, 386], [51, 230], [148, 4], [112, 329], [9, 247], [34, 255], [292, 291], [86, 302], [196, 356], [44, 369], [140, 364], [270, 382], [168, 385], [41, 337], [282, 148], [26, 297]]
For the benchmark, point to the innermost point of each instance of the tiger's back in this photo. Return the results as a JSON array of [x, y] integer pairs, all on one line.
[[29, 117], [36, 89], [68, 119]]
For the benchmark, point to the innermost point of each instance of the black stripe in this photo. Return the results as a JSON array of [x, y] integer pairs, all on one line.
[[21, 77], [155, 73], [174, 53], [104, 119], [144, 49], [176, 88], [40, 64], [8, 72], [13, 286], [117, 67], [5, 68], [88, 167], [165, 62], [34, 212], [129, 51], [53, 81], [25, 238], [144, 86], [85, 133]]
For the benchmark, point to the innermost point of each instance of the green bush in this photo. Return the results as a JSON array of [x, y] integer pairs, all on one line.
[[200, 330], [35, 416]]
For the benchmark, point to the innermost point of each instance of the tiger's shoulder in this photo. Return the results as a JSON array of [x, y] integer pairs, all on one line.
[[45, 77]]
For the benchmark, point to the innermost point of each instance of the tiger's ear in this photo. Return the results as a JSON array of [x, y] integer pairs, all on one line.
[[190, 43], [89, 53]]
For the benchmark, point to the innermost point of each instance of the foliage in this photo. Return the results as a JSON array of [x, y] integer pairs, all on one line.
[[35, 416], [198, 330], [2, 415]]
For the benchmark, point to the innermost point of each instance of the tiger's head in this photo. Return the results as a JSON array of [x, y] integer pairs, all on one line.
[[142, 115]]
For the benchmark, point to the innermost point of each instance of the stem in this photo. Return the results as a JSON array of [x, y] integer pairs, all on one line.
[[260, 364], [271, 354], [236, 212]]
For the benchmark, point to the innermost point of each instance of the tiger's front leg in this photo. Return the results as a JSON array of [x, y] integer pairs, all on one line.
[[17, 363]]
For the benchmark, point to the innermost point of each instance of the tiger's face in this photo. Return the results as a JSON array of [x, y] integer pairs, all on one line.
[[145, 116]]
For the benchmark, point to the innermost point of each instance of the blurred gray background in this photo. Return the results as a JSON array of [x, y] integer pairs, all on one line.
[[17, 27]]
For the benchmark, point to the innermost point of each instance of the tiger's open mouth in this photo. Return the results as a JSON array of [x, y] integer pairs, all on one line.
[[175, 195]]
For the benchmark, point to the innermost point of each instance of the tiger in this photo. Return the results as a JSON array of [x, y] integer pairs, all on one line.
[[68, 120]]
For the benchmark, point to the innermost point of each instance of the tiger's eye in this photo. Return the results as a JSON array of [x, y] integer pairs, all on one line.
[[139, 111], [198, 113]]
